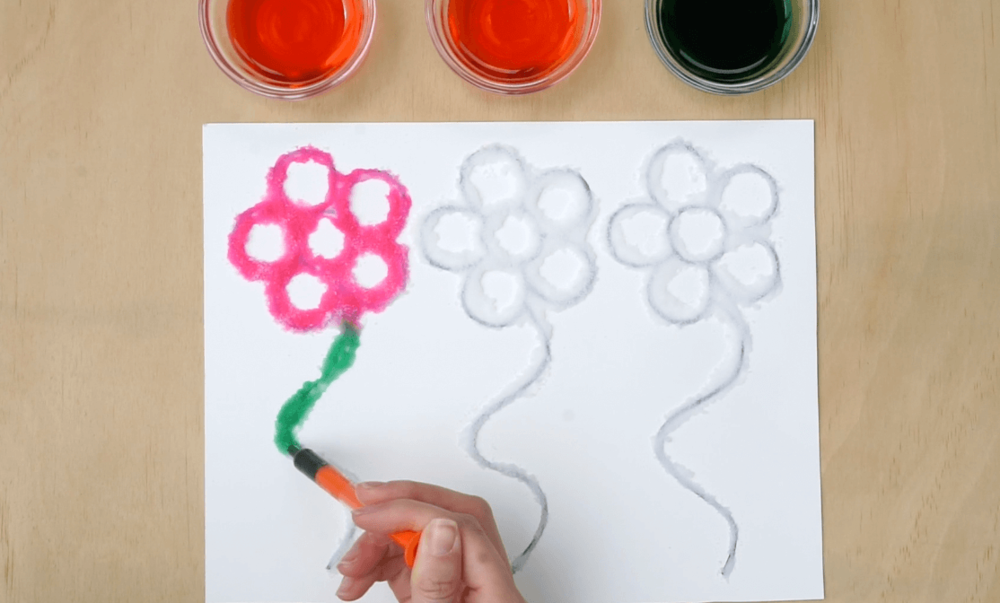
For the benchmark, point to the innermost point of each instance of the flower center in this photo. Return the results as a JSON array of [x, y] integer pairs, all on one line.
[[518, 238], [326, 241], [697, 234]]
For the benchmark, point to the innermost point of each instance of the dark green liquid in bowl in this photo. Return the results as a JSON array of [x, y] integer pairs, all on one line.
[[725, 41]]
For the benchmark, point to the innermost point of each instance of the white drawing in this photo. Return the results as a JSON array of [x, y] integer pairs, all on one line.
[[519, 240], [703, 239]]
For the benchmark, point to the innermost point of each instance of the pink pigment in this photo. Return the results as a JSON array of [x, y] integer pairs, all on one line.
[[344, 298]]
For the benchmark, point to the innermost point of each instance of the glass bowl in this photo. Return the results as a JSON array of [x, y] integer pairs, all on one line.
[[491, 53], [257, 77], [802, 30]]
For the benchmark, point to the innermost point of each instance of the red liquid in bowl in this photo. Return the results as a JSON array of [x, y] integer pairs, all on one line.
[[295, 42], [515, 39]]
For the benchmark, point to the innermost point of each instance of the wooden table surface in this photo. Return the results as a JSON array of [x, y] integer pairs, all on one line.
[[101, 108]]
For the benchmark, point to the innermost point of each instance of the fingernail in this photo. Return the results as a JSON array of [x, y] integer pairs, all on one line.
[[345, 587], [369, 485], [348, 558], [442, 536], [361, 511]]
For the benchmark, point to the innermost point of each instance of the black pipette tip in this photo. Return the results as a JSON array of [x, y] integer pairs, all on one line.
[[306, 461]]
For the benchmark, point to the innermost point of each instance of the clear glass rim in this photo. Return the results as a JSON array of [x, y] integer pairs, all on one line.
[[765, 80], [435, 27], [264, 89]]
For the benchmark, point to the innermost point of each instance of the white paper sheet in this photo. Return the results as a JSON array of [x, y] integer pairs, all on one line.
[[664, 427]]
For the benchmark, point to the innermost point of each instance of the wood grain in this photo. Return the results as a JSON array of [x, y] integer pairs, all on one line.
[[101, 107]]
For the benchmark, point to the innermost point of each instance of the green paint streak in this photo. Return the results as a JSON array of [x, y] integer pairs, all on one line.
[[297, 408]]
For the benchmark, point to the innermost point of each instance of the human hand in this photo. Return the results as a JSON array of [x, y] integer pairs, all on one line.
[[461, 558]]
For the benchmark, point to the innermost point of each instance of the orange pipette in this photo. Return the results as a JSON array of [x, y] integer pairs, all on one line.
[[341, 488]]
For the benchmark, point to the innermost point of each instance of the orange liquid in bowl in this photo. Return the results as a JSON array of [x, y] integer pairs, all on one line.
[[512, 40], [295, 42]]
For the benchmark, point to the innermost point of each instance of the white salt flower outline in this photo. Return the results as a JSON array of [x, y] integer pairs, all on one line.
[[677, 255], [549, 234]]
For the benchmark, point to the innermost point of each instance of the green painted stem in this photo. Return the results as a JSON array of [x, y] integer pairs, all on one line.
[[297, 408]]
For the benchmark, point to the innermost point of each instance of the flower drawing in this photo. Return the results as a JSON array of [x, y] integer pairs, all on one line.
[[518, 239], [344, 298], [516, 232], [702, 239]]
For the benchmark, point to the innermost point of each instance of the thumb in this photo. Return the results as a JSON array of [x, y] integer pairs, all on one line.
[[437, 572]]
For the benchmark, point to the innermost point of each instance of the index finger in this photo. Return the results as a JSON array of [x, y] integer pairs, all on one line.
[[371, 493]]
